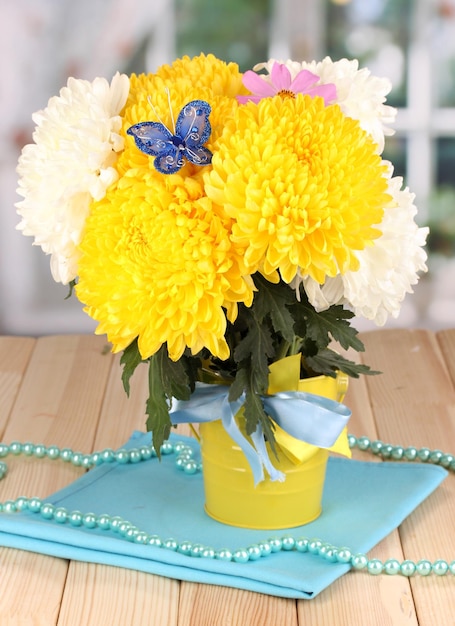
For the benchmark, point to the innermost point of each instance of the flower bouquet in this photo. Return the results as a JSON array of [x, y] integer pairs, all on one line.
[[216, 223]]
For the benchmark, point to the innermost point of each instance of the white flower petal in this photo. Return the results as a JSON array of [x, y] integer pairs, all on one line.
[[388, 269], [70, 164]]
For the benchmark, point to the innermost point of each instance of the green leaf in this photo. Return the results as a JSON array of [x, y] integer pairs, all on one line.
[[239, 384], [71, 286], [254, 413], [167, 379], [340, 329], [192, 365], [173, 375], [130, 359], [273, 300], [326, 325], [253, 409], [252, 356], [254, 351], [328, 361], [157, 405]]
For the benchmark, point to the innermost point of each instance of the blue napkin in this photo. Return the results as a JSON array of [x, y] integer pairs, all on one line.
[[363, 502]]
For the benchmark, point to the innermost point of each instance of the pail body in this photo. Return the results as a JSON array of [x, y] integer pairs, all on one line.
[[230, 494]]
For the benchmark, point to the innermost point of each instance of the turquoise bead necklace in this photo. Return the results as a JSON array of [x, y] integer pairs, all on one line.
[[185, 462]]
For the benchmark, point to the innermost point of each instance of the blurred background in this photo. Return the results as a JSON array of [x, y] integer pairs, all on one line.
[[412, 42]]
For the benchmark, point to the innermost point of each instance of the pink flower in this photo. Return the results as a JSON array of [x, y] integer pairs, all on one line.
[[280, 83]]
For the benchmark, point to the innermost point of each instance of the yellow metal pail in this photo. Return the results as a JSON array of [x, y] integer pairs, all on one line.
[[230, 494]]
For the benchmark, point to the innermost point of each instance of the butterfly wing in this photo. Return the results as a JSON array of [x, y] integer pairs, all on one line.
[[193, 127], [170, 163], [156, 140], [152, 138]]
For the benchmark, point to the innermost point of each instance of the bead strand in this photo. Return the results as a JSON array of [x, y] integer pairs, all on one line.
[[186, 463], [184, 459], [253, 552], [399, 453]]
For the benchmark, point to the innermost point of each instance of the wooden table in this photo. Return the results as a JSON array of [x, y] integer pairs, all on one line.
[[66, 390]]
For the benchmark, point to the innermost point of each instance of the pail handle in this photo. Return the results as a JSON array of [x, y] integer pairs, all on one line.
[[342, 386]]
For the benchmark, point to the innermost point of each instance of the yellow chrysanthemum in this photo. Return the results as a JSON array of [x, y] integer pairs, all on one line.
[[304, 186], [205, 72], [157, 262]]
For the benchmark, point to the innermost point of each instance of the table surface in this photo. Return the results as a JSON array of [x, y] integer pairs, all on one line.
[[66, 390]]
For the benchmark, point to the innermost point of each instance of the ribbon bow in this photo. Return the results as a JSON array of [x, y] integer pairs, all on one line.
[[306, 417]]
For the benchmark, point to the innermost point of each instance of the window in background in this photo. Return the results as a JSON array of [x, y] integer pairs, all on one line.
[[442, 200], [377, 33], [235, 31], [412, 42]]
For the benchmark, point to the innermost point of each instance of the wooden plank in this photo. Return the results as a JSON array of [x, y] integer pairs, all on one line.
[[446, 342], [62, 391], [31, 588], [14, 355], [112, 595], [358, 599], [414, 404], [122, 414], [140, 598], [206, 605], [58, 403], [412, 398]]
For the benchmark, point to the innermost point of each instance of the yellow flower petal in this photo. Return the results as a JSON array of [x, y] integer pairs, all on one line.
[[303, 184]]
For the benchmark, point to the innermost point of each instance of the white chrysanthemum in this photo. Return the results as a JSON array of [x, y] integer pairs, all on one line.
[[388, 268], [71, 162], [360, 95]]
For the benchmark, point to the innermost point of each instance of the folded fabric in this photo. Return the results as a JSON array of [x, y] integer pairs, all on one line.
[[363, 502]]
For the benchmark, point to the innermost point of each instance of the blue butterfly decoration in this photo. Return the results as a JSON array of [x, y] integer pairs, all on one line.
[[186, 142]]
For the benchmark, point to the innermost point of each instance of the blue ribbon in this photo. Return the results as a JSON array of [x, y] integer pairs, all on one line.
[[305, 416]]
